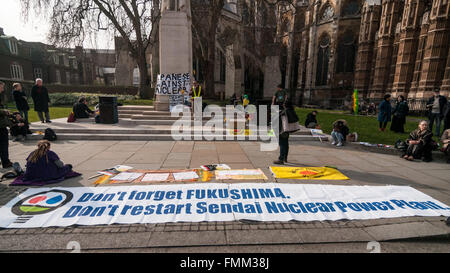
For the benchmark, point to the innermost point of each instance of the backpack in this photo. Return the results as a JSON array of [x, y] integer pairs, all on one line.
[[71, 118], [50, 135], [400, 145]]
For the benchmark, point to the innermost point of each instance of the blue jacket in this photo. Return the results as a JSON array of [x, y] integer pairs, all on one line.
[[385, 109]]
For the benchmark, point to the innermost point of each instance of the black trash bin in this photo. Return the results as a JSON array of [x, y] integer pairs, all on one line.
[[108, 110]]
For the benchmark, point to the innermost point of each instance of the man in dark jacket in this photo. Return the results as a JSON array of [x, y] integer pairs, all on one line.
[[4, 138], [21, 101], [81, 110], [436, 107], [41, 100]]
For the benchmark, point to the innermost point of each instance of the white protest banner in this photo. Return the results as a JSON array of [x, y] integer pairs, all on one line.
[[44, 207], [173, 84]]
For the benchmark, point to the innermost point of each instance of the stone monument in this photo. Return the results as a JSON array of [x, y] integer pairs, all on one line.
[[175, 43]]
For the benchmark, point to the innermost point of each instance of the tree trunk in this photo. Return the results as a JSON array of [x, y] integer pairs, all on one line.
[[145, 91]]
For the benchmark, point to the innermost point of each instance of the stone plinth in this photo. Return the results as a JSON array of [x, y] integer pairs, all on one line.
[[175, 49]]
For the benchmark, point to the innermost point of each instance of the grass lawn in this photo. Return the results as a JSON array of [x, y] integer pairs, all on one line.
[[365, 126]]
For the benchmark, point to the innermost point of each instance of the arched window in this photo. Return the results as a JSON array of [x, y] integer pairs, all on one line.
[[346, 53], [323, 58], [327, 13]]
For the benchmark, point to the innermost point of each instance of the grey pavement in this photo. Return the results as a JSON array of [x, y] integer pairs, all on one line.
[[364, 168]]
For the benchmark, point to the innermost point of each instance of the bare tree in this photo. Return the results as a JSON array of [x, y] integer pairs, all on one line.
[[135, 21], [205, 20]]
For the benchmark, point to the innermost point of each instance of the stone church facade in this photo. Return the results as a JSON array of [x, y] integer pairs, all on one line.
[[376, 46]]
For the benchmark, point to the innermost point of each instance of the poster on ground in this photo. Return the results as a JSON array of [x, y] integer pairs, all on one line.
[[46, 207]]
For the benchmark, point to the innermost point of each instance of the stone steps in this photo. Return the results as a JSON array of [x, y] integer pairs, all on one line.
[[146, 124], [153, 131], [162, 137]]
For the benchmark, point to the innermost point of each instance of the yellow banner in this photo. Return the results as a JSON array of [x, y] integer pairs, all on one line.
[[307, 173]]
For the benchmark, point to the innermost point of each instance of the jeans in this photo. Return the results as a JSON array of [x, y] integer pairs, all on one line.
[[41, 116], [337, 137], [437, 118], [283, 141], [24, 114], [4, 146]]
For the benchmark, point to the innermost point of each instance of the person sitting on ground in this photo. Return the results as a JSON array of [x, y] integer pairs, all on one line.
[[81, 109], [446, 141], [311, 121], [20, 128], [44, 165], [340, 132], [420, 143]]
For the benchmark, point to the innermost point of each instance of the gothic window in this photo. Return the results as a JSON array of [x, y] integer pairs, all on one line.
[[346, 53], [327, 13], [323, 58], [351, 8]]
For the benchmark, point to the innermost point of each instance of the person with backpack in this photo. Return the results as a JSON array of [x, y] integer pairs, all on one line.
[[44, 165], [21, 101]]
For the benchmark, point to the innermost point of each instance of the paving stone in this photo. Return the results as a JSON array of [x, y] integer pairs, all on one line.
[[182, 238], [326, 235], [254, 237], [404, 230]]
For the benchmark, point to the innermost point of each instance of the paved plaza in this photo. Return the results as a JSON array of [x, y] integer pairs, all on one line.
[[362, 167]]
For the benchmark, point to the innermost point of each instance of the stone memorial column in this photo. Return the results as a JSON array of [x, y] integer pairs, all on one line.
[[175, 43]]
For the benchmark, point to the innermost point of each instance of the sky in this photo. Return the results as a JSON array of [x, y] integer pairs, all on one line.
[[34, 30]]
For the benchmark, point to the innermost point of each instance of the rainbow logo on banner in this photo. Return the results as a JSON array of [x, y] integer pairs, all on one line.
[[41, 203]]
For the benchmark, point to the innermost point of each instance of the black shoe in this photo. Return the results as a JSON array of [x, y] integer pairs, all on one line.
[[279, 162], [48, 121]]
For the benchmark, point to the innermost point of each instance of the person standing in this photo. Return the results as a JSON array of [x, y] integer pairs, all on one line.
[[21, 101], [41, 100], [436, 107], [4, 137], [399, 115], [385, 110], [280, 98]]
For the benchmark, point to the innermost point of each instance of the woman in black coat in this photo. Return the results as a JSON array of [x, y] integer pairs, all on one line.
[[399, 115], [21, 101], [41, 100]]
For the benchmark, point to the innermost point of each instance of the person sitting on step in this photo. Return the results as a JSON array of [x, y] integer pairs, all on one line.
[[446, 141], [81, 109], [20, 128], [420, 143]]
